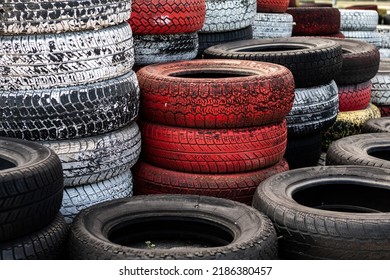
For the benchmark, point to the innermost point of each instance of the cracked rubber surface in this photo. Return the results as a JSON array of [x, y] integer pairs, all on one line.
[[354, 97]]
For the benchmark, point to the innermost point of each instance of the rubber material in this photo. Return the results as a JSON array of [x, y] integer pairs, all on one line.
[[354, 97], [271, 25], [272, 6], [358, 20], [371, 37], [380, 84], [303, 151], [377, 125]]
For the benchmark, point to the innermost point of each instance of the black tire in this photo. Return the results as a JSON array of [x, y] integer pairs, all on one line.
[[329, 212], [312, 61], [70, 112], [48, 243], [234, 230], [31, 186], [27, 17], [377, 125], [303, 151], [370, 149]]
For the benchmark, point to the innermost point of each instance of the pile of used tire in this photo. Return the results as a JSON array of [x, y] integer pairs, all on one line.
[[380, 90]]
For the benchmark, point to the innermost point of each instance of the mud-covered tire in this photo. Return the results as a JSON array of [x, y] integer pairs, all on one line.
[[358, 20], [329, 212], [360, 62], [167, 16], [152, 49], [31, 186], [371, 37], [315, 21], [149, 179], [377, 125], [271, 25], [272, 6], [354, 97], [228, 15], [368, 149], [56, 16], [98, 158], [47, 61], [70, 112], [213, 151], [81, 197], [312, 61], [314, 109], [215, 93], [303, 151], [234, 230]]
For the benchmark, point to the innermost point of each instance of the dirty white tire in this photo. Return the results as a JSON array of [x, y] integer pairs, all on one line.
[[384, 53], [380, 89], [65, 59], [371, 37], [358, 20], [384, 32], [151, 49], [227, 15], [97, 158], [55, 16], [71, 112], [272, 25], [80, 197]]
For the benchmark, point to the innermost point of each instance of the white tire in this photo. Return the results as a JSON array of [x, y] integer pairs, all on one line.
[[371, 37], [272, 25], [380, 90], [358, 20]]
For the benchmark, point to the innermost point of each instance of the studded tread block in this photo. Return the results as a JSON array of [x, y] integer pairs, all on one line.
[[354, 97]]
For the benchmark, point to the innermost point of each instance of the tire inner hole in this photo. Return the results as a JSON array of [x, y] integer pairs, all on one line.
[[210, 74], [346, 197], [6, 164], [382, 153], [271, 48], [170, 232]]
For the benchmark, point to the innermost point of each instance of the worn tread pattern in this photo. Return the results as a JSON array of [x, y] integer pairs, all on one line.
[[81, 197], [377, 125], [149, 179], [167, 16], [98, 158], [272, 6], [47, 243], [371, 37], [228, 15], [46, 61], [28, 17], [71, 112], [380, 94], [358, 20], [213, 151], [354, 97], [271, 25]]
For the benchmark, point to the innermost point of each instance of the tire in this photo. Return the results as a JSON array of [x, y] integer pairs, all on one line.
[[215, 151], [321, 160], [167, 16], [363, 7], [380, 94], [371, 37], [377, 125], [218, 229], [385, 110], [348, 123], [81, 197], [98, 158], [47, 243], [228, 15], [369, 149], [149, 179], [47, 61], [354, 97], [152, 49], [314, 109], [315, 21], [215, 93], [384, 33], [272, 6], [31, 186], [329, 212], [360, 62], [302, 56], [210, 39], [70, 112], [313, 4], [58, 16], [384, 53], [358, 20], [269, 25], [303, 151]]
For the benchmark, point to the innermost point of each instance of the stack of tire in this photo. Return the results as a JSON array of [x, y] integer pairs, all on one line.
[[360, 65], [212, 127], [315, 63], [226, 21], [380, 90], [360, 25], [271, 20], [384, 33], [31, 190], [67, 81], [166, 30]]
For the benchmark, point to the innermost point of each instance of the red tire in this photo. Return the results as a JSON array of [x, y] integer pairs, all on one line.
[[167, 16], [213, 150], [208, 93], [315, 21], [385, 110], [354, 97], [149, 179], [272, 6]]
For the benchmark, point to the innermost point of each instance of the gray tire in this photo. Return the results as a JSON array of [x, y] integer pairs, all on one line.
[[46, 61], [55, 16], [371, 37], [272, 25], [384, 32], [70, 112], [358, 20], [98, 158], [227, 15], [81, 197], [380, 90]]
